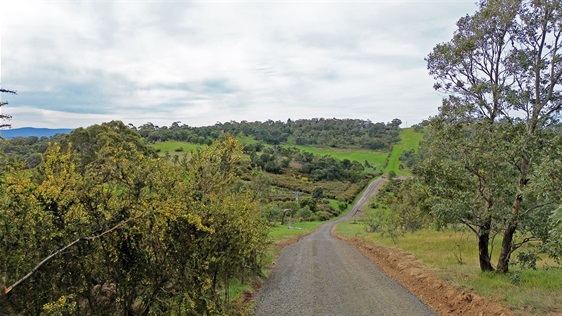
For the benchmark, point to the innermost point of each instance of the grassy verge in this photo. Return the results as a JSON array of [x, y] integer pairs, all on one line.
[[281, 233], [454, 257]]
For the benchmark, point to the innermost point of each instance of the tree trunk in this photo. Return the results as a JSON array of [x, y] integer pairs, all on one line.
[[507, 242], [483, 249], [505, 253]]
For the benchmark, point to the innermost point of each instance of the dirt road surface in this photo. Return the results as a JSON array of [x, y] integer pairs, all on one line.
[[322, 275]]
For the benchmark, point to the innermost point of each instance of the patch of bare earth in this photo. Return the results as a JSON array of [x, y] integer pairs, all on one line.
[[441, 296]]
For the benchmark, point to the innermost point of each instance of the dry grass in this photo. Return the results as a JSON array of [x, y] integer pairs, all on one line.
[[454, 257]]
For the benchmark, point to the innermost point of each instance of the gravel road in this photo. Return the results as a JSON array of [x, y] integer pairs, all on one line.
[[322, 275]]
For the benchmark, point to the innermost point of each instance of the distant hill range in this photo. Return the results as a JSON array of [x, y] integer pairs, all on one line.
[[32, 131]]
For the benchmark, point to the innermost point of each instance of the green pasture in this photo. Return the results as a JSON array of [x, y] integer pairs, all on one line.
[[408, 140], [375, 158], [172, 147], [284, 232]]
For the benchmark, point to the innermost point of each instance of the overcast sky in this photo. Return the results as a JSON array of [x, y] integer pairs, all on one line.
[[78, 63]]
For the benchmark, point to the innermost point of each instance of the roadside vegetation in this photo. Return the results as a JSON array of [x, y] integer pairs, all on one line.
[[453, 256], [491, 159]]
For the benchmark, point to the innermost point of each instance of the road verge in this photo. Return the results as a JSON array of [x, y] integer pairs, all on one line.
[[440, 295]]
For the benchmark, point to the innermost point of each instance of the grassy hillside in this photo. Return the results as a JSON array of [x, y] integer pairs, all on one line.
[[408, 140]]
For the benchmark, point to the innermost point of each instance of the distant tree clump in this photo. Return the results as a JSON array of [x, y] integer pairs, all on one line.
[[28, 149], [400, 206]]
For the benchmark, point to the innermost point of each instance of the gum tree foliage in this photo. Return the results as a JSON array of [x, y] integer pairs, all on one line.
[[122, 232], [491, 142], [400, 206]]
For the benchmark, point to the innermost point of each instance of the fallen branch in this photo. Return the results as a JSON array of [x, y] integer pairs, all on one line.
[[112, 229]]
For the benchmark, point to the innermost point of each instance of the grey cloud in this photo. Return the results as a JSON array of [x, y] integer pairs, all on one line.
[[204, 62]]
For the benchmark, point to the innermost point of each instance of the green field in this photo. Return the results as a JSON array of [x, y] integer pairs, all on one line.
[[375, 158], [408, 140], [172, 147], [454, 257]]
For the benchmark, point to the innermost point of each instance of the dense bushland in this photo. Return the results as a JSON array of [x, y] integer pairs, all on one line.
[[101, 226], [27, 149]]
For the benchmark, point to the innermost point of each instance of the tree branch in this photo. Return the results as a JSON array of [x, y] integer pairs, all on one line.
[[7, 91], [465, 222], [525, 240], [112, 229]]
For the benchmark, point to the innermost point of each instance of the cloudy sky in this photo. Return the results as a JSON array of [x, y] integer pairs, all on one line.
[[78, 63]]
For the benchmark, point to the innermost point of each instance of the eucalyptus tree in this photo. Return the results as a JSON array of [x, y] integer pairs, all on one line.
[[502, 74]]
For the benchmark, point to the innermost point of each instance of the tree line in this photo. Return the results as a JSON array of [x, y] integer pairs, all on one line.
[[341, 133]]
